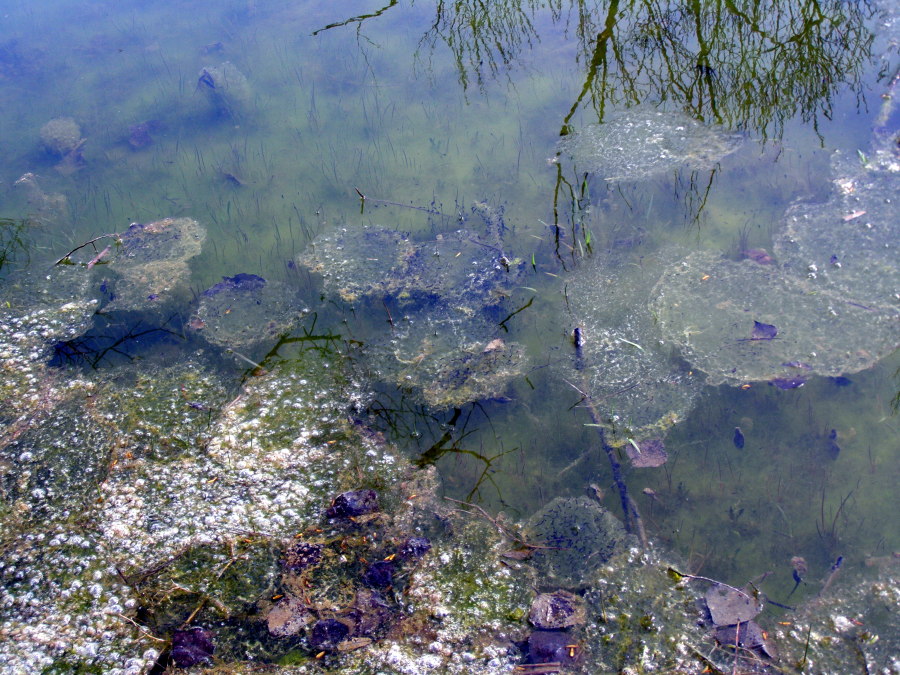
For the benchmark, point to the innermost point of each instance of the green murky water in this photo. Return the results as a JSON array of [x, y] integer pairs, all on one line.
[[488, 239]]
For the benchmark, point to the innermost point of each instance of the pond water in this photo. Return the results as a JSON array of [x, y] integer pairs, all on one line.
[[513, 253]]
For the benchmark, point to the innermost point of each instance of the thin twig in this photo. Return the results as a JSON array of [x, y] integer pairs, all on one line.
[[503, 530], [140, 628], [712, 581], [87, 243]]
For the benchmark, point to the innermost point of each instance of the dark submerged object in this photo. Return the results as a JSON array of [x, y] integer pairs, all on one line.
[[302, 555], [191, 646], [414, 547], [239, 282], [353, 503], [379, 574], [141, 135], [831, 444], [552, 646], [763, 331], [327, 633], [738, 438]]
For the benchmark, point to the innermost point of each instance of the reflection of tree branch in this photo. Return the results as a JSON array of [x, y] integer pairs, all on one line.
[[598, 59], [357, 19]]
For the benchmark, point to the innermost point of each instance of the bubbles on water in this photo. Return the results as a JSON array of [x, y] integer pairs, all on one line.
[[637, 143]]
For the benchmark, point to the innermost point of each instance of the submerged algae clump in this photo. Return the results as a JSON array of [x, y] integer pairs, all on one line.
[[707, 306], [830, 298], [461, 269], [577, 536], [440, 355]]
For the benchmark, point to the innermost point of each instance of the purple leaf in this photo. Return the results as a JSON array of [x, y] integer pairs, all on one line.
[[787, 382]]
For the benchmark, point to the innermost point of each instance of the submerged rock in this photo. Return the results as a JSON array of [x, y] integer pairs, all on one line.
[[354, 503], [327, 633], [288, 617]]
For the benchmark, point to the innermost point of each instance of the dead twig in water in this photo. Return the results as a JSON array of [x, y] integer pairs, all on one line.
[[678, 575], [65, 259], [629, 507]]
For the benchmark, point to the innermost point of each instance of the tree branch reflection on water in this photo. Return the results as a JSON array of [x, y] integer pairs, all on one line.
[[746, 65]]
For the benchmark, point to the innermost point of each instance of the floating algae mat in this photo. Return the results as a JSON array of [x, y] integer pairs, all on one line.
[[442, 297], [449, 357], [245, 310], [458, 267], [830, 298], [639, 143], [639, 385], [152, 265]]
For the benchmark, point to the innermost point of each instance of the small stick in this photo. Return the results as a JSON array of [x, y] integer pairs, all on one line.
[[712, 581], [87, 243], [363, 199], [139, 627], [390, 318], [835, 568]]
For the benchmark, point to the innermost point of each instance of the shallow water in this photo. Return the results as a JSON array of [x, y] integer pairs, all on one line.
[[427, 119]]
